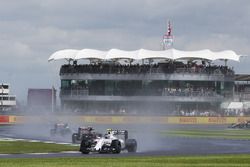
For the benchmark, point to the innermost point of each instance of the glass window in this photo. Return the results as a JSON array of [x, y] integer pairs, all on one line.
[[12, 98], [65, 83], [6, 86]]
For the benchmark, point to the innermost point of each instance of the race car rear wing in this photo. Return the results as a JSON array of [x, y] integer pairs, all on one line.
[[121, 132]]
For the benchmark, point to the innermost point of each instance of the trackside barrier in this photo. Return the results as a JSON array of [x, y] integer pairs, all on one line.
[[12, 119], [4, 119]]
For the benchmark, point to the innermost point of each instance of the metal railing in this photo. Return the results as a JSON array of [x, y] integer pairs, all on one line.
[[139, 92], [145, 69]]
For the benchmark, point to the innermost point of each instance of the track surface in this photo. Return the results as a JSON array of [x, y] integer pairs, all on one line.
[[150, 144]]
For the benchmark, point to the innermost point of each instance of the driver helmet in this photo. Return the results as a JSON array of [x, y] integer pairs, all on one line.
[[90, 128], [109, 131]]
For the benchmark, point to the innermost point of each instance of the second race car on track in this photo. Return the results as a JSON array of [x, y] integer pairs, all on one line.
[[83, 132], [60, 129], [240, 125], [114, 141]]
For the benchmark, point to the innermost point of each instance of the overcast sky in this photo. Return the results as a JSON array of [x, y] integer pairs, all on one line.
[[31, 30]]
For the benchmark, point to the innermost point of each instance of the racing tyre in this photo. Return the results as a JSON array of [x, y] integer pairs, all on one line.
[[241, 126], [116, 146], [84, 147], [74, 138], [131, 145]]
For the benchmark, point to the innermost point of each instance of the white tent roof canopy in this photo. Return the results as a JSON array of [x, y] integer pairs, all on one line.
[[235, 105], [64, 54], [171, 54], [90, 54]]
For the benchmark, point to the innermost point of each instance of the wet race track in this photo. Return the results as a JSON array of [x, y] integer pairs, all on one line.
[[150, 141]]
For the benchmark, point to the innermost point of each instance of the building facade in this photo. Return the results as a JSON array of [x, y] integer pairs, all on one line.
[[7, 101]]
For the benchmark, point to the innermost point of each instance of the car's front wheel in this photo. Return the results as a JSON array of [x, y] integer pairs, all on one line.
[[116, 146], [84, 147]]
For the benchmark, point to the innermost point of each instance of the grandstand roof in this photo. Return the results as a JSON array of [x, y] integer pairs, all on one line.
[[171, 54]]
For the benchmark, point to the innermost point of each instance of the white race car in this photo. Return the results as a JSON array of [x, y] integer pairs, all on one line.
[[114, 141]]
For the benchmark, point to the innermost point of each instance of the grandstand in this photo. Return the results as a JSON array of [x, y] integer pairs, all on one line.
[[168, 82]]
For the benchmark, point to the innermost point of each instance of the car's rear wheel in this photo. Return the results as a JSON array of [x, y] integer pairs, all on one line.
[[241, 126], [131, 145]]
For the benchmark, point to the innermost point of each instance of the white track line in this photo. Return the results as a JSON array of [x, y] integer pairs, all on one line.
[[34, 141], [48, 153], [72, 152]]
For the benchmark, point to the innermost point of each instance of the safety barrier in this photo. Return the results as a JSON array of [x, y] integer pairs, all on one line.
[[11, 119], [5, 119]]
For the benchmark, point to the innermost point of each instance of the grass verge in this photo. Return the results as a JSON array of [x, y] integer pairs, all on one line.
[[224, 134], [171, 161], [19, 147]]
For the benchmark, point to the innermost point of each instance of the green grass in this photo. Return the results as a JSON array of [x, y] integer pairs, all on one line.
[[225, 134], [18, 147], [171, 161]]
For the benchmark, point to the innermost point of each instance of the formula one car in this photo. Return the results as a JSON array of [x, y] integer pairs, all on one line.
[[240, 125], [60, 129], [84, 131], [114, 141]]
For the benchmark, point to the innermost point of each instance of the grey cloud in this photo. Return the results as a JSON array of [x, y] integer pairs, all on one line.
[[31, 30]]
